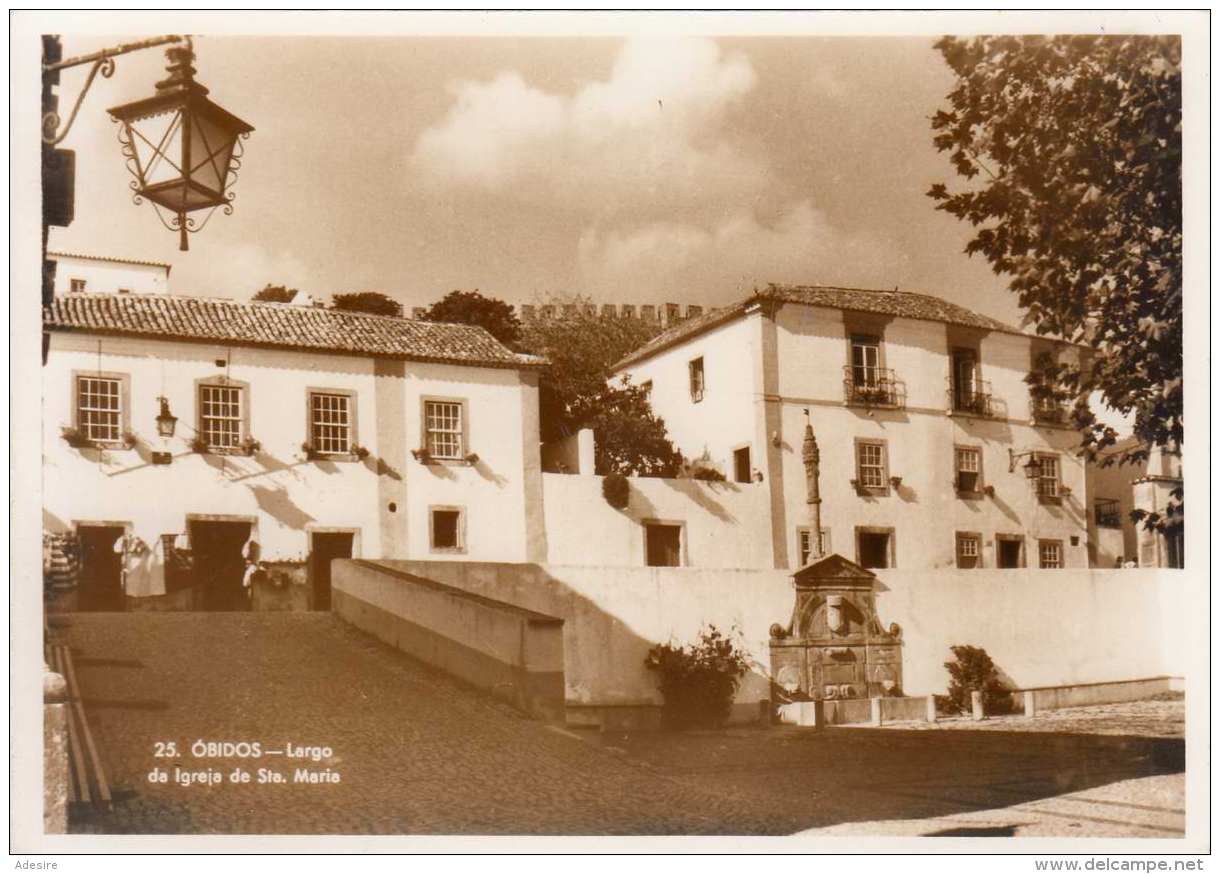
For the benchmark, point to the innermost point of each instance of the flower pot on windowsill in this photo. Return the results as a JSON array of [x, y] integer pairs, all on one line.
[[360, 452], [250, 446], [201, 446], [472, 458], [896, 482], [423, 456], [74, 438], [989, 491]]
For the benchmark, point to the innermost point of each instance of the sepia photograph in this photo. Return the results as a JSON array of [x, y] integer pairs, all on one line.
[[594, 425]]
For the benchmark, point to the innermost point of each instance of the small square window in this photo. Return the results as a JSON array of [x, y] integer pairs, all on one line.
[[330, 423], [1050, 554], [220, 416], [99, 408], [696, 380], [805, 544], [874, 548], [871, 466], [76, 285], [444, 429], [969, 462], [663, 544], [447, 531], [969, 550]]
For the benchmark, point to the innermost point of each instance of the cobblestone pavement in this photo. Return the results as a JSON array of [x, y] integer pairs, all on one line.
[[418, 753]]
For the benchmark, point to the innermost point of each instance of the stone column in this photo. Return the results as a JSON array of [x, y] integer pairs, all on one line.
[[813, 459]]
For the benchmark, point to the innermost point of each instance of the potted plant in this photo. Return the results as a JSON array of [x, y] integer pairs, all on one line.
[[200, 445], [75, 438]]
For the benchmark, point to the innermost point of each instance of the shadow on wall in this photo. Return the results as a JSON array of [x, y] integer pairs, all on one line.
[[597, 644], [700, 494], [274, 501]]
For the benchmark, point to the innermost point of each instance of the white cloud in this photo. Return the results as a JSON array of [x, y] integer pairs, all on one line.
[[689, 262], [650, 137]]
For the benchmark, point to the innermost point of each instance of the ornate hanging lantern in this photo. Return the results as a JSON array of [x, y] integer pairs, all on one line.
[[183, 150]]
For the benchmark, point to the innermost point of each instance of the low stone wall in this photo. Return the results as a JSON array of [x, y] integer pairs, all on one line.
[[55, 753], [1042, 628], [514, 653]]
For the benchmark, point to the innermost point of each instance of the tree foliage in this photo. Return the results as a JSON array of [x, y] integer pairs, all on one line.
[[275, 294], [582, 346], [1070, 149], [472, 308], [374, 302]]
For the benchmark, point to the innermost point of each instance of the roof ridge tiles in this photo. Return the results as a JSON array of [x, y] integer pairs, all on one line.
[[302, 328]]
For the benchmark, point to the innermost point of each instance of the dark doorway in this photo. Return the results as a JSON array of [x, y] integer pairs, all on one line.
[[219, 564], [874, 549], [663, 544], [741, 464], [327, 545], [1007, 552], [101, 571]]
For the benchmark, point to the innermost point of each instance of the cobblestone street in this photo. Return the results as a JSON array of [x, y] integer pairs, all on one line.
[[420, 754]]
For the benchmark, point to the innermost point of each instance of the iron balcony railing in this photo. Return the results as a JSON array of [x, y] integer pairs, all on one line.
[[1107, 514], [973, 398], [872, 387], [1049, 412]]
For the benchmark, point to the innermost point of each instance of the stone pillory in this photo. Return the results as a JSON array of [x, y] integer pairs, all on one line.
[[270, 325]]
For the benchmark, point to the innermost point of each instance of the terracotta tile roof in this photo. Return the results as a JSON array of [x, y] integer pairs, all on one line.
[[177, 317], [109, 259], [905, 304]]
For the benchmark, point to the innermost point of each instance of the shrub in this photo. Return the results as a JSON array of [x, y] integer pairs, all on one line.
[[698, 681], [616, 491], [973, 670], [707, 474]]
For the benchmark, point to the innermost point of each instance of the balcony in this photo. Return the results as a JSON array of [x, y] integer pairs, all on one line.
[[872, 387], [1107, 514], [971, 400], [1048, 412]]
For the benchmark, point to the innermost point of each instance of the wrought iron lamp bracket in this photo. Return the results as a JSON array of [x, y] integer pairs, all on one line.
[[103, 62]]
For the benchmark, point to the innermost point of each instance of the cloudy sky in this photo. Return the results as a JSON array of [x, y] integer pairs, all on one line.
[[628, 170]]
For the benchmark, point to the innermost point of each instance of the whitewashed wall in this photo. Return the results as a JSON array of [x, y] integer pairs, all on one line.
[[1041, 628], [285, 493], [725, 525]]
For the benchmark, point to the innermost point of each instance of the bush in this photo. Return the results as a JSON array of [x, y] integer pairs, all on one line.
[[698, 681], [973, 670], [615, 490], [707, 474]]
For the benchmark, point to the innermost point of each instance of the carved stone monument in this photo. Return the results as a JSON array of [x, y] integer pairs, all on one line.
[[834, 647]]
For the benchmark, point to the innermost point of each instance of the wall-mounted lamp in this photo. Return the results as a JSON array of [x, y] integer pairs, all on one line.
[[167, 422], [1032, 467]]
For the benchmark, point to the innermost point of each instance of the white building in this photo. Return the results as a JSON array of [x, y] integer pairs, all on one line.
[[309, 432], [91, 274], [933, 453]]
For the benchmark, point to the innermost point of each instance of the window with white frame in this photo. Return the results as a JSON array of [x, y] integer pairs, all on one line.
[[443, 428], [805, 543], [870, 465], [1050, 554], [865, 361], [220, 415], [969, 462], [1048, 476], [99, 408], [330, 423], [969, 550]]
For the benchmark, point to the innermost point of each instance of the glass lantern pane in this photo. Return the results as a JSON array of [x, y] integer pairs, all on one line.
[[158, 142], [211, 148]]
